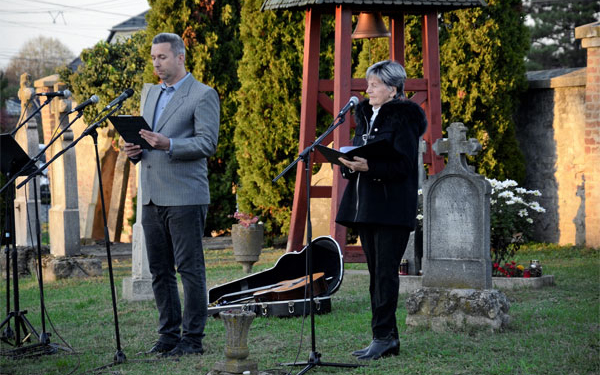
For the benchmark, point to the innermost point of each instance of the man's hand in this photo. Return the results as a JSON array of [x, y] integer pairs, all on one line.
[[131, 150], [358, 164], [156, 140]]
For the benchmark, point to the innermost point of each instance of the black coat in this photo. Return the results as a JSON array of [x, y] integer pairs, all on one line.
[[387, 193]]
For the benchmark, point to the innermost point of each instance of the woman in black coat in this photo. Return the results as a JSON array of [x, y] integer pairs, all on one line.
[[380, 200]]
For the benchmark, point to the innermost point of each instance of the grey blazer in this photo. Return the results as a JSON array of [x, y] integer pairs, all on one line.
[[191, 120]]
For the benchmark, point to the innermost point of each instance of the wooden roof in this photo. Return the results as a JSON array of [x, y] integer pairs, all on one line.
[[379, 5]]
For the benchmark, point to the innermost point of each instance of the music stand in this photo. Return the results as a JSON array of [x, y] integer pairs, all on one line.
[[15, 162], [314, 358]]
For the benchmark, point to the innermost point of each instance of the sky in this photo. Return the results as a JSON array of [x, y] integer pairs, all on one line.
[[78, 24]]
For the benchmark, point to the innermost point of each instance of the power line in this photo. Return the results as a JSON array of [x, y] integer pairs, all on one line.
[[79, 8]]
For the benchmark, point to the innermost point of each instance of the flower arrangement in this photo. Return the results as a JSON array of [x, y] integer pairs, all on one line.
[[509, 269], [245, 219], [512, 213]]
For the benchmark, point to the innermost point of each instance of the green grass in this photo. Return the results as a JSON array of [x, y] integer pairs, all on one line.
[[555, 330]]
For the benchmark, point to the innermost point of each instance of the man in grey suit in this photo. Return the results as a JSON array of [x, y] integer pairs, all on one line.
[[184, 116]]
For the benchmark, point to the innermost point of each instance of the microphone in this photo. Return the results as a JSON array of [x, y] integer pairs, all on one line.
[[92, 100], [351, 103], [126, 94], [64, 93]]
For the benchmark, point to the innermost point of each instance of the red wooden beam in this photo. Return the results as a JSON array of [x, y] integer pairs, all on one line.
[[308, 119], [342, 87], [433, 105], [397, 38]]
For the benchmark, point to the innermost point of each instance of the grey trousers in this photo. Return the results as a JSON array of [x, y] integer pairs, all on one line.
[[174, 242]]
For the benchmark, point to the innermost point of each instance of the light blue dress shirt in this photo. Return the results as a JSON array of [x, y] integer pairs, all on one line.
[[166, 94]]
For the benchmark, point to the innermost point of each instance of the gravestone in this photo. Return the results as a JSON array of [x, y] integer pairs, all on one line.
[[456, 205], [414, 248], [457, 268], [138, 287], [27, 137], [63, 216]]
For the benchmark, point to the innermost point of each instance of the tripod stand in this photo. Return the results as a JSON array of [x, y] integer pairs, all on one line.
[[15, 162], [314, 358]]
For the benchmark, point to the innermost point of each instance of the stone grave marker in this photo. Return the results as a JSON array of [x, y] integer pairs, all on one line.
[[456, 205]]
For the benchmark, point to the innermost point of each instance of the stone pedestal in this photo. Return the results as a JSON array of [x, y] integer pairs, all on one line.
[[247, 244], [69, 267], [237, 323], [443, 309]]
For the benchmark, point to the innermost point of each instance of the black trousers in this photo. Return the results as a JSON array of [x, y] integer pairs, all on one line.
[[384, 247], [174, 242]]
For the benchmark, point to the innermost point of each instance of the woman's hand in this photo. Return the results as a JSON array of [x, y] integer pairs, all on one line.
[[356, 165]]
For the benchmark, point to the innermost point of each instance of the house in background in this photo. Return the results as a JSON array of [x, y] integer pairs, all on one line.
[[118, 33], [126, 28]]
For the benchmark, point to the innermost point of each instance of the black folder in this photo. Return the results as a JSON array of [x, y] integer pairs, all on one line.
[[129, 128], [13, 157], [378, 150]]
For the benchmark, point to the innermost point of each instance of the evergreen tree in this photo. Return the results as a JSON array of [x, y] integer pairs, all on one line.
[[482, 72], [266, 136], [210, 31], [552, 26], [106, 70]]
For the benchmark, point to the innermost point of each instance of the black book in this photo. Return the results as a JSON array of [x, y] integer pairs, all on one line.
[[378, 150], [129, 128]]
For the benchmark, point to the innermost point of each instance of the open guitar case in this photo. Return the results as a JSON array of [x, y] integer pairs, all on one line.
[[327, 258]]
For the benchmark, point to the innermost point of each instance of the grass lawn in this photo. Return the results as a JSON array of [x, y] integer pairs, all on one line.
[[555, 330]]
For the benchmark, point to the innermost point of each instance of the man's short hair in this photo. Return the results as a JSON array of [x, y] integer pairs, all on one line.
[[174, 40]]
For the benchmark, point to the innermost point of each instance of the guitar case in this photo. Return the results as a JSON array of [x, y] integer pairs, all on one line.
[[327, 258]]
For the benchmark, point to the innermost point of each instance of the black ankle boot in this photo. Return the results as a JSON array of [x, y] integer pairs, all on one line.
[[381, 348], [360, 352]]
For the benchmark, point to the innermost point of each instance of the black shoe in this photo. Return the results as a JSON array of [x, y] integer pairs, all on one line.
[[160, 347], [358, 353], [184, 347], [381, 348]]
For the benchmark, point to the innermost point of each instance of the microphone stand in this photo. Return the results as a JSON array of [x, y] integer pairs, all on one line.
[[48, 100], [314, 358], [20, 319], [119, 356]]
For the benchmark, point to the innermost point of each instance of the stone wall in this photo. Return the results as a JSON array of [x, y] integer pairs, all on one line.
[[550, 126], [558, 128]]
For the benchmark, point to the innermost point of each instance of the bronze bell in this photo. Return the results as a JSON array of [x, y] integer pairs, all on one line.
[[370, 25]]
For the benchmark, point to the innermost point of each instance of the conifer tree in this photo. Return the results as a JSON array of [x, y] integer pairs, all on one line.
[[482, 73], [210, 31], [268, 116]]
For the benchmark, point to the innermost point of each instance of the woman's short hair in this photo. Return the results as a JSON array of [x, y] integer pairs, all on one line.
[[174, 40], [390, 73]]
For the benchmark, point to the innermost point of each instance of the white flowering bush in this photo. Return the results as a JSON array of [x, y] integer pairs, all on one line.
[[513, 210]]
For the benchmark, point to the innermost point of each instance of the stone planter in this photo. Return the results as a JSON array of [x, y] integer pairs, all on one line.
[[247, 244], [237, 325]]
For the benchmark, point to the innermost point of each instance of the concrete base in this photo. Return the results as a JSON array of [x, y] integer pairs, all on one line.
[[409, 284], [441, 309], [69, 267], [137, 289], [235, 366]]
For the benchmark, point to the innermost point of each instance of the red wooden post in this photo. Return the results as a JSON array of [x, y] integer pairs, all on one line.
[[433, 105], [397, 38], [342, 77], [308, 118]]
